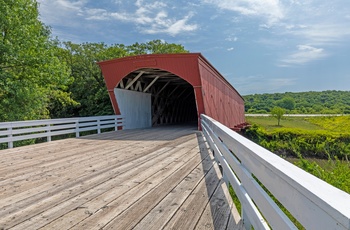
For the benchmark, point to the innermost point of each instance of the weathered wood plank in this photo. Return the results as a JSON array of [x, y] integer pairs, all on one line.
[[191, 210], [43, 197], [107, 190], [145, 180], [162, 213], [63, 172], [79, 157], [218, 211], [112, 180], [105, 216], [166, 208]]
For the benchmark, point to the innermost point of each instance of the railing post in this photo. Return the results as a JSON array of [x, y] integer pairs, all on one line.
[[77, 134], [99, 125], [246, 222], [48, 132], [224, 177], [115, 123], [10, 143]]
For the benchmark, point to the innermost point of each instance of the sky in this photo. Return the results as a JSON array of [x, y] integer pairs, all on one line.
[[259, 46]]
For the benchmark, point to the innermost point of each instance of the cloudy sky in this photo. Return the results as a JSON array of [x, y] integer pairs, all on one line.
[[260, 46]]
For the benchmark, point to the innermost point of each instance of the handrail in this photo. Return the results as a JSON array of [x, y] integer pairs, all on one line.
[[251, 169], [24, 130]]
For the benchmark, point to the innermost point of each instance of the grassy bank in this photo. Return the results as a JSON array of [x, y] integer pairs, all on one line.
[[319, 145], [316, 137]]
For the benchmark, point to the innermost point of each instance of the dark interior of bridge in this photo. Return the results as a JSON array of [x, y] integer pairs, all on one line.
[[173, 99]]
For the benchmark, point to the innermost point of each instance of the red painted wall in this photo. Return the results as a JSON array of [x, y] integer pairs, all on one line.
[[214, 95], [221, 101]]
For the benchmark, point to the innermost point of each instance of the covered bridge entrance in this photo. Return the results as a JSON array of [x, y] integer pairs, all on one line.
[[156, 89]]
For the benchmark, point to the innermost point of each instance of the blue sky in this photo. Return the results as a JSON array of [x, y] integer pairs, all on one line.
[[259, 46]]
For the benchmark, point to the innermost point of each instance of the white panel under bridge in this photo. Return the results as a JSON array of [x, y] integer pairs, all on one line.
[[136, 106]]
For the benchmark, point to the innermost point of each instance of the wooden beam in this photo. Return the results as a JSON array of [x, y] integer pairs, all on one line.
[[163, 88], [128, 82], [138, 86], [181, 93], [173, 91], [135, 79], [187, 95], [121, 84], [150, 84]]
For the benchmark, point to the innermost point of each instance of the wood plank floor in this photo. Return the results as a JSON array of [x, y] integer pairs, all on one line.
[[159, 178]]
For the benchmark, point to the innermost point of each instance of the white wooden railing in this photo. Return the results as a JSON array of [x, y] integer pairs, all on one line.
[[24, 130], [246, 165]]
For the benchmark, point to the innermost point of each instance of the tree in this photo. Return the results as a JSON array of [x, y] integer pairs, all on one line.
[[155, 47], [278, 113], [286, 103], [31, 75]]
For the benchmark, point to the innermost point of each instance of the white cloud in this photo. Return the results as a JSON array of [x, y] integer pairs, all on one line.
[[76, 5], [262, 84], [271, 10], [304, 54], [154, 22], [55, 12], [323, 34], [179, 26], [150, 17], [230, 49], [231, 39]]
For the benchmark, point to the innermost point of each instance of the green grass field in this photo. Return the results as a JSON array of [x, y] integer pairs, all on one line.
[[270, 123], [339, 124]]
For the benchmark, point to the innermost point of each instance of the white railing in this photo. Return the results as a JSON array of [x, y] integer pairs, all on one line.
[[24, 130], [246, 165]]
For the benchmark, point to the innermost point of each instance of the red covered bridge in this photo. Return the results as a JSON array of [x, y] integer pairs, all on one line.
[[168, 177], [170, 88]]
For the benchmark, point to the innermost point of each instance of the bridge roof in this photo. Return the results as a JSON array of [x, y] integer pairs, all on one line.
[[213, 94], [153, 60]]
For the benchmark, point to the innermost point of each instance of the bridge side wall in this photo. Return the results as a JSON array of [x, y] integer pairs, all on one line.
[[221, 100]]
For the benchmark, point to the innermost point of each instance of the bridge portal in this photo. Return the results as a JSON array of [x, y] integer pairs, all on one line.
[[156, 89]]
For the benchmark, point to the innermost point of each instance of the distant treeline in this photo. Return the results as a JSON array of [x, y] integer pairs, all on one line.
[[325, 102]]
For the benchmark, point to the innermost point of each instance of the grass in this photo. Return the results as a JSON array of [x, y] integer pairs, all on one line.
[[312, 135], [270, 123], [339, 124]]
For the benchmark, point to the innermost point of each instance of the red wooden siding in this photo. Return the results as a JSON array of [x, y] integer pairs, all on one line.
[[214, 95]]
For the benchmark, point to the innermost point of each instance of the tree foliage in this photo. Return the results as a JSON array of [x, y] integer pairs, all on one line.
[[278, 113], [286, 103], [326, 102], [31, 75], [43, 78]]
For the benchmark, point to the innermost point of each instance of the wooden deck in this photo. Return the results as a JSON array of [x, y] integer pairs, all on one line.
[[160, 178]]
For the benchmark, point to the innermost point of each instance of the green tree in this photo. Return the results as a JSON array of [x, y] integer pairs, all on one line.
[[155, 47], [286, 103], [278, 113], [31, 75], [330, 101]]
